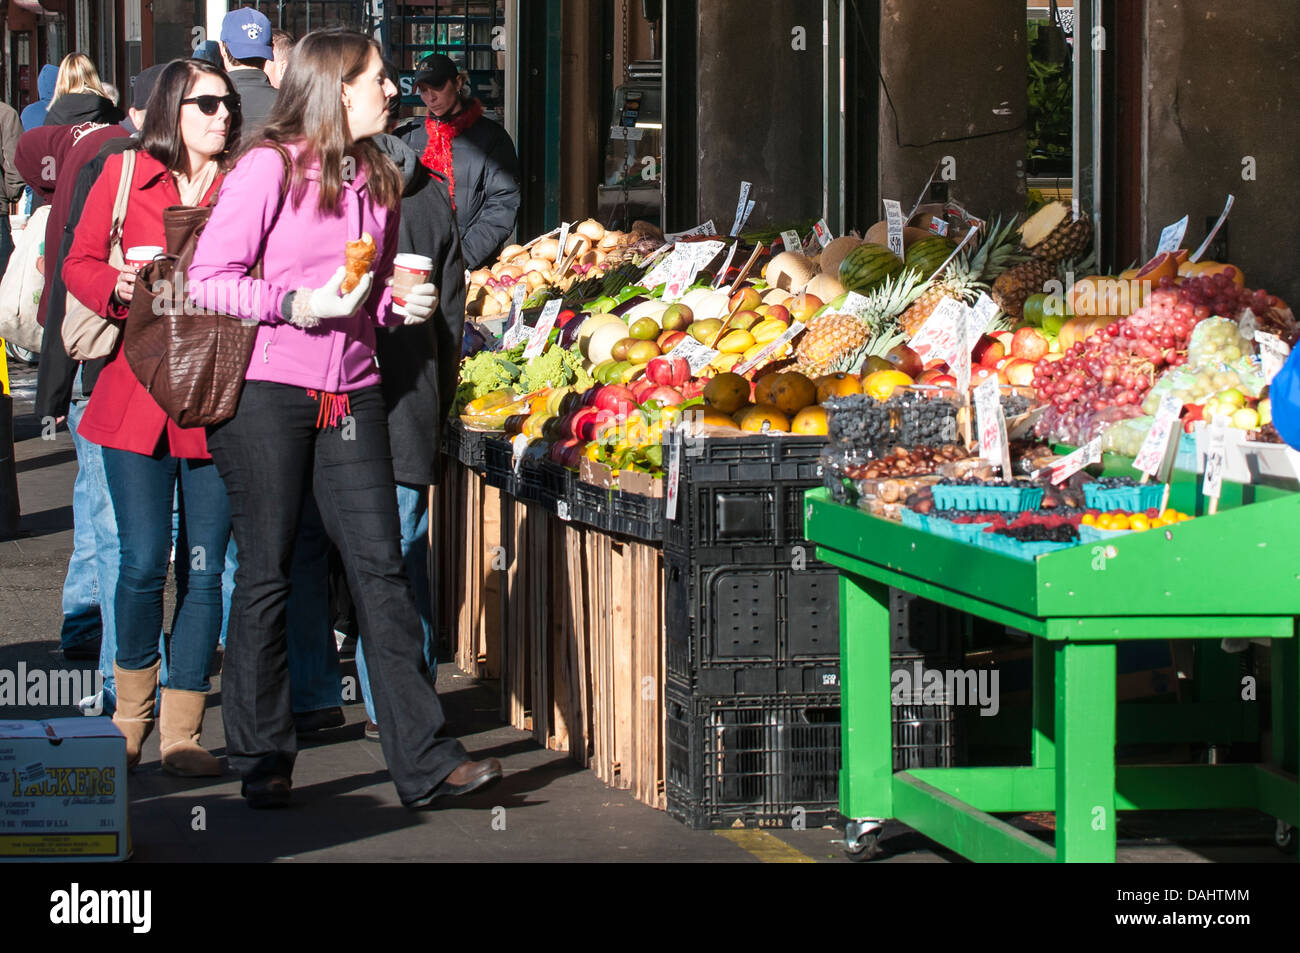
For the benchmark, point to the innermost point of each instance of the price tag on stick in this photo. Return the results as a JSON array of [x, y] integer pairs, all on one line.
[[515, 323], [989, 419], [822, 232], [541, 333], [1067, 467], [698, 356], [894, 219], [961, 351], [1273, 352], [1227, 207], [1156, 444], [1171, 239], [674, 473], [790, 239], [773, 346], [1215, 459], [742, 208], [726, 265]]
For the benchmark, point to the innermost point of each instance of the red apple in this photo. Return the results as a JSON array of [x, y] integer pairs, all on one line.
[[988, 351], [981, 373], [617, 398], [1029, 344], [779, 312], [905, 360], [942, 380], [641, 389], [1019, 372], [693, 388], [928, 375], [670, 371], [667, 396]]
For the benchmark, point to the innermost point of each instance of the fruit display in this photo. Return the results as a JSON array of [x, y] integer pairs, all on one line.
[[1048, 238]]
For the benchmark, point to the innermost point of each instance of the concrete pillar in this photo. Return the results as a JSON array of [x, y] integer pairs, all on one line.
[[759, 110], [954, 71], [1221, 116]]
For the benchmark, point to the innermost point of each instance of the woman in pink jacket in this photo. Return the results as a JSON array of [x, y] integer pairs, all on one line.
[[311, 417]]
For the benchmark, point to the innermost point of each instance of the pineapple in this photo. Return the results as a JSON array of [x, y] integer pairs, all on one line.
[[1067, 240], [966, 277], [1050, 238], [841, 342], [1016, 284]]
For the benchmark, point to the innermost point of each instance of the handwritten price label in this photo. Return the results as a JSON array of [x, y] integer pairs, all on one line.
[[708, 228], [1171, 238], [679, 276], [772, 347], [697, 355], [1227, 207], [515, 323], [988, 411], [1156, 444], [721, 279], [674, 473], [894, 219], [980, 316], [790, 239], [743, 207], [659, 273], [541, 333], [937, 339], [1215, 459], [1090, 452], [854, 304]]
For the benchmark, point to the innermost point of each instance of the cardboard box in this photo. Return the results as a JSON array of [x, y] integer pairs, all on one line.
[[63, 790]]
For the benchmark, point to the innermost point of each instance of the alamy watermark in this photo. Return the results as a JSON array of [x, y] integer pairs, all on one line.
[[918, 685], [56, 687]]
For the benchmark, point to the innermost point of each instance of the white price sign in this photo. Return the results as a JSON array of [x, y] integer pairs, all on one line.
[[697, 355], [822, 232], [515, 323], [541, 333], [1171, 239], [680, 274], [518, 447], [854, 304], [708, 228], [1090, 452], [721, 279], [961, 355], [659, 273], [1215, 458], [790, 239], [1273, 352], [674, 473], [1156, 444], [1227, 207], [988, 414], [894, 219], [772, 347], [743, 207], [562, 242], [980, 316], [937, 339]]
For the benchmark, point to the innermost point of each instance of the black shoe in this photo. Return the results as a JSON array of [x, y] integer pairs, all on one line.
[[468, 776], [268, 793], [217, 662], [347, 645], [372, 731], [83, 652], [308, 721]]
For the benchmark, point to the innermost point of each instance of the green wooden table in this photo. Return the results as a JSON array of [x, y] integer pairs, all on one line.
[[1233, 575]]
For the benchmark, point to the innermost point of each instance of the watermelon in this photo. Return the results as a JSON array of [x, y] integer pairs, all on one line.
[[927, 254], [867, 266]]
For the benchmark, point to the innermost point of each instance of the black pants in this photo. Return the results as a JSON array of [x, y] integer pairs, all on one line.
[[269, 454]]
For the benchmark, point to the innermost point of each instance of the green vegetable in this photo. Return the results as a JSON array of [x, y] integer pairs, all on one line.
[[486, 372], [555, 367]]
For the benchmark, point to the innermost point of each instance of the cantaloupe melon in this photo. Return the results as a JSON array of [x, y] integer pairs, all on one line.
[[825, 286]]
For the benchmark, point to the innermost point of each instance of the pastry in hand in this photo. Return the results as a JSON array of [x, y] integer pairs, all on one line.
[[360, 255]]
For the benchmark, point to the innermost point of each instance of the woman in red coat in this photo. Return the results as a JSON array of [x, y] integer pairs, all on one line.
[[191, 127]]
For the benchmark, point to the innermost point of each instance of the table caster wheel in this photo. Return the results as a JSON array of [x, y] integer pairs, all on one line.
[[867, 847], [1284, 838]]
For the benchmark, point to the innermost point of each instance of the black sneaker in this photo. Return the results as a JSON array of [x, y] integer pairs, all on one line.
[[309, 721]]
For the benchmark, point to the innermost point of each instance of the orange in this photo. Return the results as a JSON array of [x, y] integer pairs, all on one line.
[[1104, 521], [754, 418], [1088, 520], [836, 385], [1183, 517], [1159, 523], [882, 383], [1139, 522], [810, 420], [1119, 520], [1169, 516]]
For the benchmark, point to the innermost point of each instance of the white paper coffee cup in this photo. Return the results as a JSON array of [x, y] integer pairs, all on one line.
[[137, 256], [409, 270]]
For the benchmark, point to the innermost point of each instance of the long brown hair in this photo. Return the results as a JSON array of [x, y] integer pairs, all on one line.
[[309, 110], [161, 136]]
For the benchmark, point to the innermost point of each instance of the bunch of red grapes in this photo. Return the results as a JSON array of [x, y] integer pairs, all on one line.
[[1103, 379]]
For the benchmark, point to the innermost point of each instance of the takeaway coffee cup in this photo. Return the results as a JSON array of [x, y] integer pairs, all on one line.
[[408, 271], [137, 256]]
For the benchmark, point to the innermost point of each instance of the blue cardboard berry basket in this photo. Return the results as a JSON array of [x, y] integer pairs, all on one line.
[[1003, 499], [1135, 499]]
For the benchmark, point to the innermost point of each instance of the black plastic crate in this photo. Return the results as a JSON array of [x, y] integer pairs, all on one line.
[[919, 627], [925, 736], [751, 628], [761, 760], [760, 458], [715, 518], [498, 465], [621, 514], [465, 445]]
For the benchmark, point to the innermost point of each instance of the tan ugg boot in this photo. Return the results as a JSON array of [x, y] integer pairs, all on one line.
[[136, 690], [179, 725]]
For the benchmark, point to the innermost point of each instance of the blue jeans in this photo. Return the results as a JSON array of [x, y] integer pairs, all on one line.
[[314, 680], [142, 489], [413, 515], [81, 589]]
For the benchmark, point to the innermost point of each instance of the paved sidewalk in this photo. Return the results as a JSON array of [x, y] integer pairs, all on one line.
[[547, 808]]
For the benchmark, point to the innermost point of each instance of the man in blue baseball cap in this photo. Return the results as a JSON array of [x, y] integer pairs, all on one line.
[[246, 51]]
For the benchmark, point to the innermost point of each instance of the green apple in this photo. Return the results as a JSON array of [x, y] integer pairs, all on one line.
[[1233, 398], [1265, 409]]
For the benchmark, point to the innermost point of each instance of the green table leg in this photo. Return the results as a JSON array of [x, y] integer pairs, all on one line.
[[1085, 751], [867, 738], [1043, 738]]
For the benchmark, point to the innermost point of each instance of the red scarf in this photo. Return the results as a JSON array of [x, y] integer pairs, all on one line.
[[437, 154]]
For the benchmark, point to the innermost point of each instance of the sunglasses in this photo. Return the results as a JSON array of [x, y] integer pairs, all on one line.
[[208, 104]]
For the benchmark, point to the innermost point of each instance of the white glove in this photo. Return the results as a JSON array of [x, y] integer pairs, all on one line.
[[311, 306], [420, 302]]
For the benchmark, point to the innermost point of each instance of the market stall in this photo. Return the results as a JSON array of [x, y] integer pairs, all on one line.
[[641, 418]]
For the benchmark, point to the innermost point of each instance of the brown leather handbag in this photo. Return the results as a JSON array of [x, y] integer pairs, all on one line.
[[191, 361]]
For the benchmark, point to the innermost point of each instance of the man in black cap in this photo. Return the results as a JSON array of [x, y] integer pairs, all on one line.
[[472, 152]]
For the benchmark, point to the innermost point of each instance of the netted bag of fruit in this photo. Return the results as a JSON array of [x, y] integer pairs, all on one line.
[[1217, 343], [1184, 382], [1126, 437]]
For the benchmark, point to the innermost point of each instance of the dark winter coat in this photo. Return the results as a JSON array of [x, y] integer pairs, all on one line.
[[72, 109], [256, 99], [58, 370], [487, 185], [419, 362]]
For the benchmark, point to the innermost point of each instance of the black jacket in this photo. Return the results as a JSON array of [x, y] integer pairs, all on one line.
[[256, 99], [487, 185], [419, 363], [70, 109], [58, 370]]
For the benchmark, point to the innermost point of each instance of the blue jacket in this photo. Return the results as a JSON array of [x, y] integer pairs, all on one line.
[[1284, 396], [33, 115]]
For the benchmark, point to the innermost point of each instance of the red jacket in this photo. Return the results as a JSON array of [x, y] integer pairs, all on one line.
[[121, 414]]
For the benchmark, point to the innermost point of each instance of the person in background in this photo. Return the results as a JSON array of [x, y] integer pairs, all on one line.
[[33, 115], [12, 184], [311, 418], [76, 93], [417, 364], [111, 93], [282, 45], [472, 152], [210, 51], [63, 389], [246, 51], [191, 125]]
